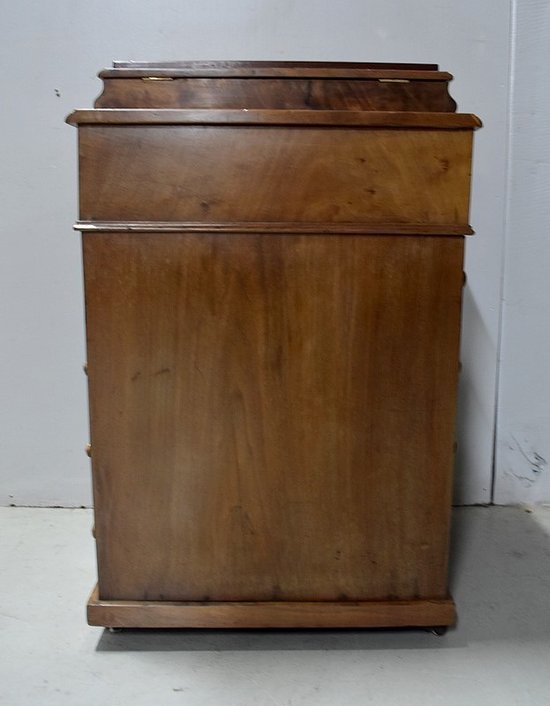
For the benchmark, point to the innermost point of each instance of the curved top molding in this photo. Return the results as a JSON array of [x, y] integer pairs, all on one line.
[[281, 85]]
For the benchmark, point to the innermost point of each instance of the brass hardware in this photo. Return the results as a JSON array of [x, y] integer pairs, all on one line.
[[88, 449], [393, 80], [85, 368], [157, 78]]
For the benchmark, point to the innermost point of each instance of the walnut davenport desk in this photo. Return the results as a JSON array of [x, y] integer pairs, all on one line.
[[273, 259]]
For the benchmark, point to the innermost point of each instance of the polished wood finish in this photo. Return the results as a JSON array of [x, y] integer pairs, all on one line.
[[271, 614], [247, 70], [326, 118], [275, 93], [273, 313], [271, 69], [293, 227], [276, 85], [292, 67], [252, 441], [332, 175]]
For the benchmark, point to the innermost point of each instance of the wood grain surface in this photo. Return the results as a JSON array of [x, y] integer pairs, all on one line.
[[256, 70], [272, 415], [291, 227], [273, 274], [270, 173], [276, 84], [308, 118], [270, 614], [278, 93]]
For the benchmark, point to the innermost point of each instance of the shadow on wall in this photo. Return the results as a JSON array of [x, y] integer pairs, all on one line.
[[475, 418], [500, 572]]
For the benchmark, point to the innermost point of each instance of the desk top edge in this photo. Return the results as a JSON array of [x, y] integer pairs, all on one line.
[[240, 63], [274, 117], [275, 69]]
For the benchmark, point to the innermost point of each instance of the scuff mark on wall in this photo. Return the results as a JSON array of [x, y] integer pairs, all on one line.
[[536, 462]]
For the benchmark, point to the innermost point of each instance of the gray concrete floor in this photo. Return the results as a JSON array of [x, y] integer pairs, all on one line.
[[498, 654]]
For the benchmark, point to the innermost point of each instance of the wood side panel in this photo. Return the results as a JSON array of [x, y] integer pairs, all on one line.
[[272, 416], [319, 614], [266, 173], [273, 93]]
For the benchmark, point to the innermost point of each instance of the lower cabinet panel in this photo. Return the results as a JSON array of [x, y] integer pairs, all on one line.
[[272, 420]]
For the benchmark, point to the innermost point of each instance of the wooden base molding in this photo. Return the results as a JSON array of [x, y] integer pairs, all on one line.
[[270, 614]]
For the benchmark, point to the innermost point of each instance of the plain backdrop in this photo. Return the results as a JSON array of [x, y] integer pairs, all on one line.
[[50, 55]]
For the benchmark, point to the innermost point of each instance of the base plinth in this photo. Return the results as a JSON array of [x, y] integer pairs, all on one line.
[[270, 614]]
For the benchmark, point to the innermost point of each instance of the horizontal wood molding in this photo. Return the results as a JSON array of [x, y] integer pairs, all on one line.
[[270, 614], [278, 71], [324, 118], [276, 228], [292, 66]]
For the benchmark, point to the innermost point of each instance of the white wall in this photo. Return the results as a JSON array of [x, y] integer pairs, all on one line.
[[57, 47], [523, 440]]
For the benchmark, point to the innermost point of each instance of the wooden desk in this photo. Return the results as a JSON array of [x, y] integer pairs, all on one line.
[[273, 274]]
